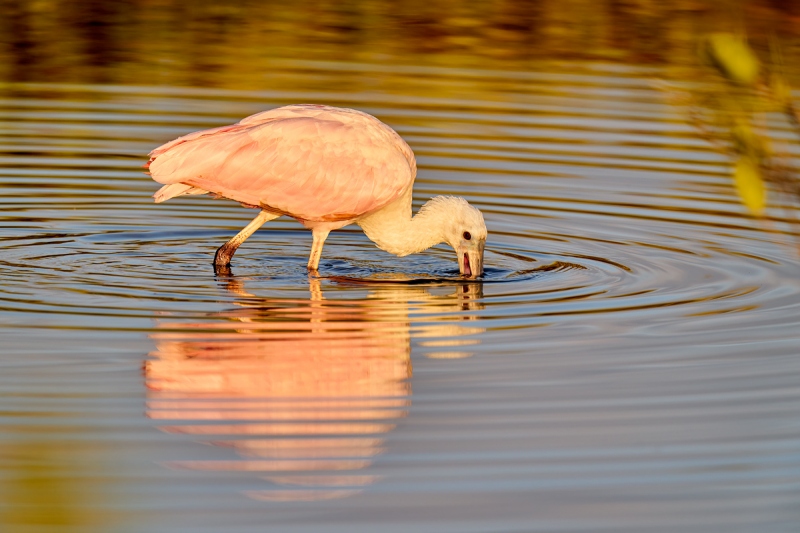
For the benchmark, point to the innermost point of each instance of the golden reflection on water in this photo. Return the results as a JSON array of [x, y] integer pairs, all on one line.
[[49, 486], [304, 391]]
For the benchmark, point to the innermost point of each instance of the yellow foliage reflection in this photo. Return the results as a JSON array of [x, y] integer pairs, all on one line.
[[304, 391]]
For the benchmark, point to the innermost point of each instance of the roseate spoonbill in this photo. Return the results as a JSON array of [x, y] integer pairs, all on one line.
[[326, 167]]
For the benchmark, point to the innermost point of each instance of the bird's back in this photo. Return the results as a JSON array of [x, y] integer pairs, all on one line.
[[315, 163]]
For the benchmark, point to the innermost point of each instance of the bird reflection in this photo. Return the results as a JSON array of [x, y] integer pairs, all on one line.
[[303, 390]]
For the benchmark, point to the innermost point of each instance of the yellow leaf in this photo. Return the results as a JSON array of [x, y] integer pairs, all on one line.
[[733, 56], [750, 186]]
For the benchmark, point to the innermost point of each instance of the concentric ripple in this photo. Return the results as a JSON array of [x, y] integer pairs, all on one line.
[[634, 337]]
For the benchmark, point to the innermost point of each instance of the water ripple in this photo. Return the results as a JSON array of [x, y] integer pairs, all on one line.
[[634, 332]]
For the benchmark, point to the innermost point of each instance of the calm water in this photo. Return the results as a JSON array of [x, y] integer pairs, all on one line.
[[629, 363]]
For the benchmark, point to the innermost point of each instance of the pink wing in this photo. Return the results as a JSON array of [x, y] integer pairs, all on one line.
[[314, 163]]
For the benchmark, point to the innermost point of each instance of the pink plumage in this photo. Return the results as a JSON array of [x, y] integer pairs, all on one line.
[[327, 167], [314, 163]]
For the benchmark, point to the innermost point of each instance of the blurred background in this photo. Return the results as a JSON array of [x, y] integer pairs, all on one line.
[[628, 362], [233, 44]]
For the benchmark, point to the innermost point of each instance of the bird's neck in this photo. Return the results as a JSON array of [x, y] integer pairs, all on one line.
[[394, 230]]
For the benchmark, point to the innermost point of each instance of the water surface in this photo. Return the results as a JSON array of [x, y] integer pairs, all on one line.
[[628, 363]]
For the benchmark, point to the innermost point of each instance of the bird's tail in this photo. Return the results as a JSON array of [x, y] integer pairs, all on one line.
[[176, 189]]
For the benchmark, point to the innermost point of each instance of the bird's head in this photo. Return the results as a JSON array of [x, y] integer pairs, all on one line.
[[466, 232]]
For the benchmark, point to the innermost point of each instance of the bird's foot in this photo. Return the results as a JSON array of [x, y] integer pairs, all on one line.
[[223, 256], [223, 271]]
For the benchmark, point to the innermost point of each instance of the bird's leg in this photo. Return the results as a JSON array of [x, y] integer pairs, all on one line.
[[226, 251], [319, 237]]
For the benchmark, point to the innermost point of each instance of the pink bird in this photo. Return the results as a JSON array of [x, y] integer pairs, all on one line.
[[326, 167]]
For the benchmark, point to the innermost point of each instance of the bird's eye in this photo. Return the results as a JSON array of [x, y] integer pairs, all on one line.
[[467, 235]]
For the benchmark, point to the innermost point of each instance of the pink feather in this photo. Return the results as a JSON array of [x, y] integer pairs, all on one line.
[[314, 163]]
